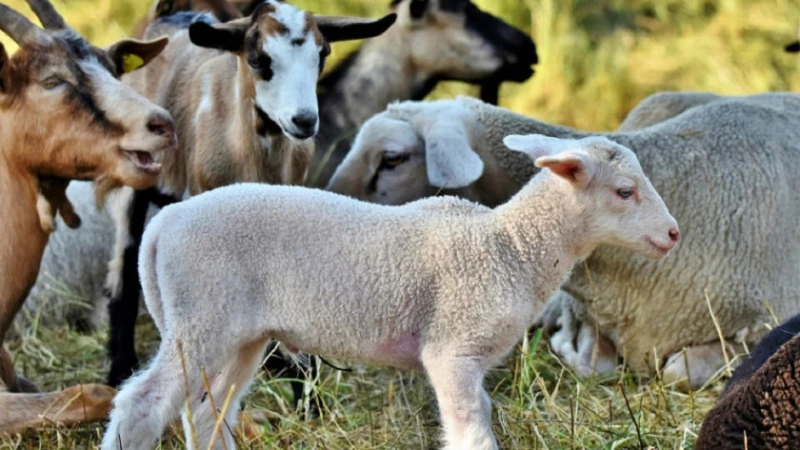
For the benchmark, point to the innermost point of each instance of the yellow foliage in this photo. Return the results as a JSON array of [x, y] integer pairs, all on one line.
[[598, 57]]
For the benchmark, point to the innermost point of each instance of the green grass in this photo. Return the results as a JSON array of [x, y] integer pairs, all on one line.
[[598, 59], [538, 404]]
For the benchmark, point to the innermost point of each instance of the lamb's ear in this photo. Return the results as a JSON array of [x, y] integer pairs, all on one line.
[[451, 161], [573, 165], [131, 54], [335, 29], [225, 36]]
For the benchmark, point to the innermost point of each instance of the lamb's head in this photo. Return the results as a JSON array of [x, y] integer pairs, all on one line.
[[455, 40], [62, 97], [616, 199], [284, 48]]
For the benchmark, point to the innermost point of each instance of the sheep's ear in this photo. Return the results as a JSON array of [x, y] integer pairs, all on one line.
[[563, 157], [538, 145], [574, 165], [336, 29], [226, 36], [451, 162], [131, 54]]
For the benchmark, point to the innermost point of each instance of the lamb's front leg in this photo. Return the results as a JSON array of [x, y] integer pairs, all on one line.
[[465, 407]]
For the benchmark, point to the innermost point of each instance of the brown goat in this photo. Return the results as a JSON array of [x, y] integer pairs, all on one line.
[[64, 115]]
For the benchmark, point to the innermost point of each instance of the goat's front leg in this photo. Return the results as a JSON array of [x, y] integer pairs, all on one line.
[[72, 406], [123, 305], [465, 407], [9, 378]]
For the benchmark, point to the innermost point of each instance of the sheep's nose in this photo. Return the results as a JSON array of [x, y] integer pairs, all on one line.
[[305, 121], [674, 235]]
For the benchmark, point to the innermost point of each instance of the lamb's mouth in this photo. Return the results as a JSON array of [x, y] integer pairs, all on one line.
[[143, 161], [661, 249]]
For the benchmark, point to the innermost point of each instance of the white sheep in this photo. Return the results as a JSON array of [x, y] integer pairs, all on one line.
[[728, 171], [442, 284]]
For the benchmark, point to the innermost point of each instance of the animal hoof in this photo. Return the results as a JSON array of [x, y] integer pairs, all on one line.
[[25, 386]]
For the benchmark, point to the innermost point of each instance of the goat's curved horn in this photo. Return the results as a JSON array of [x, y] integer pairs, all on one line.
[[348, 28], [47, 14], [18, 28]]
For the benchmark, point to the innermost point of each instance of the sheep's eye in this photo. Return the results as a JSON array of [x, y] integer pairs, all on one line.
[[392, 160], [625, 192], [52, 83]]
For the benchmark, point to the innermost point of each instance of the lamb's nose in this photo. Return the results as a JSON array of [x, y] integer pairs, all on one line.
[[674, 235]]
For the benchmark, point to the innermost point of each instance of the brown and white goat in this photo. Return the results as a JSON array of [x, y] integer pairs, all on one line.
[[243, 95], [63, 115]]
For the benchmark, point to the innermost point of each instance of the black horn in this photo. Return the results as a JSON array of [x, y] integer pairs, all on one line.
[[417, 8], [18, 28], [47, 14]]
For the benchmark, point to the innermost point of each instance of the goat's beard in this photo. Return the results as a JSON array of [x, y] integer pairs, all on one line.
[[103, 186]]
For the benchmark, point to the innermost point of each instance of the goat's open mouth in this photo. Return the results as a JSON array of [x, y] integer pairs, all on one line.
[[143, 161]]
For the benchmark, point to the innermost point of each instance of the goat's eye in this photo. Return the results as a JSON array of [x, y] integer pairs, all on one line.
[[52, 83], [625, 192], [392, 160]]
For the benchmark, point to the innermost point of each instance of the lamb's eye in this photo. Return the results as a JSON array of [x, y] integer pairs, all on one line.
[[392, 160], [52, 83], [625, 192]]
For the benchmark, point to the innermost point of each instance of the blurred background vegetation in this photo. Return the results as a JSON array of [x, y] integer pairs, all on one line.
[[598, 58]]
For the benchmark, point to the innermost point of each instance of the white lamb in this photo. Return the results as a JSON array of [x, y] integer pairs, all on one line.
[[441, 284]]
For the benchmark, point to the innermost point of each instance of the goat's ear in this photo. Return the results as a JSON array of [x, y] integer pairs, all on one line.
[[417, 8], [335, 29], [131, 54], [451, 161], [226, 36], [5, 71]]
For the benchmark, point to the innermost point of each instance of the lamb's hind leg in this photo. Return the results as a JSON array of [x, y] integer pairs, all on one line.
[[147, 402], [237, 373], [465, 407]]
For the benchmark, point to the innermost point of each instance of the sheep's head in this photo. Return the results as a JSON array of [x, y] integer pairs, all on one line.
[[285, 49], [454, 40], [410, 151], [617, 200], [70, 115]]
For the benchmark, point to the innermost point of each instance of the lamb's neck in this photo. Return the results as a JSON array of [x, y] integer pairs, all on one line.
[[546, 229], [376, 75]]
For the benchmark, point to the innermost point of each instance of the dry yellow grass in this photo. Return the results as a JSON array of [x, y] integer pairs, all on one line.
[[598, 59]]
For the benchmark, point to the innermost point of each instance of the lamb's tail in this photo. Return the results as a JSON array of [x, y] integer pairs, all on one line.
[[147, 270]]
